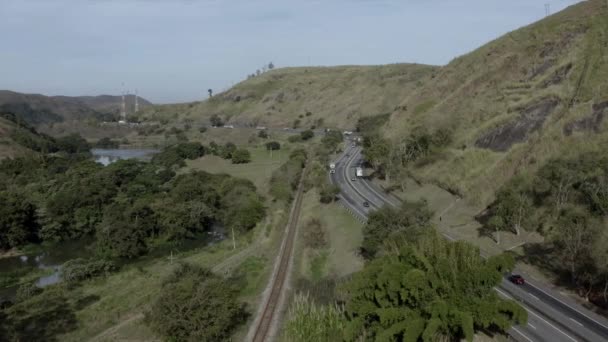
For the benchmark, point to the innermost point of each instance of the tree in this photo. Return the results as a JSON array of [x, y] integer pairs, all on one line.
[[513, 205], [241, 156], [210, 91], [296, 123], [270, 66], [307, 134], [227, 150], [263, 134], [328, 193], [410, 221], [18, 220], [73, 143], [196, 305], [273, 146], [430, 289], [216, 121]]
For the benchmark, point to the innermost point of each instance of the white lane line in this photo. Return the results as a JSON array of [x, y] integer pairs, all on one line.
[[522, 334], [566, 304], [577, 322], [551, 325], [533, 296], [531, 326], [531, 312], [502, 293]]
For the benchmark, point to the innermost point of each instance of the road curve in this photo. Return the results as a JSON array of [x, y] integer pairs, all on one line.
[[551, 317]]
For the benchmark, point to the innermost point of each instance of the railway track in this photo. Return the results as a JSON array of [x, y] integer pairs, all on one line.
[[271, 305]]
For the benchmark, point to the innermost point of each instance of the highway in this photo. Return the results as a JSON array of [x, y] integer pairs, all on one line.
[[551, 316]]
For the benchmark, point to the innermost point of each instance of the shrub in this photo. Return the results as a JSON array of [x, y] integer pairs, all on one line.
[[196, 305], [263, 134], [77, 270], [307, 134], [273, 146], [241, 156], [314, 234]]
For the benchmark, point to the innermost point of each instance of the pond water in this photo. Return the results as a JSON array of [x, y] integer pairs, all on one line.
[[48, 258], [108, 156]]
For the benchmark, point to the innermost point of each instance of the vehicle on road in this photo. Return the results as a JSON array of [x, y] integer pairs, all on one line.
[[332, 168], [354, 179], [359, 172], [517, 279], [228, 126], [366, 204]]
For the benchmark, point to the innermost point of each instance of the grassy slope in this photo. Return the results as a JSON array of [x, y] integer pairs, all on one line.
[[483, 90], [338, 95]]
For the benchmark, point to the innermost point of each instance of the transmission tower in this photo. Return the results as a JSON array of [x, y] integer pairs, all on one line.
[[136, 103], [547, 9]]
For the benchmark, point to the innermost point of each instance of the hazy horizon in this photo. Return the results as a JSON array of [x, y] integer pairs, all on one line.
[[173, 51]]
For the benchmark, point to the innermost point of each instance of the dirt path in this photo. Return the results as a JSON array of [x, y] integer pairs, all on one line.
[[113, 329]]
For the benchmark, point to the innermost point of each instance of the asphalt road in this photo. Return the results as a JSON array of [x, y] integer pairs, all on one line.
[[551, 316]]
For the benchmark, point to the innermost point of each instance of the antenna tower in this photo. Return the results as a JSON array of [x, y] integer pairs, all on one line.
[[136, 103]]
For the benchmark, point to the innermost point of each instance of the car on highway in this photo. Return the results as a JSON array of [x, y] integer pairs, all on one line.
[[366, 204], [517, 279], [354, 179]]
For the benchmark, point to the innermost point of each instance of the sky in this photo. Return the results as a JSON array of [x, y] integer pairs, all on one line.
[[174, 50]]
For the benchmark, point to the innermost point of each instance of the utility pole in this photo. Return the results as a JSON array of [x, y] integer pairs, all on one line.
[[233, 238]]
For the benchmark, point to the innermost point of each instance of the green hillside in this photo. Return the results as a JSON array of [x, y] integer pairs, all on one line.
[[321, 96], [533, 94]]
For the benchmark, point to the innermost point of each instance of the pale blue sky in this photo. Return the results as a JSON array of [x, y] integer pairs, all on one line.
[[174, 50]]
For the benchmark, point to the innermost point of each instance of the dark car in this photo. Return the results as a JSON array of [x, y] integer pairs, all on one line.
[[517, 279], [366, 204]]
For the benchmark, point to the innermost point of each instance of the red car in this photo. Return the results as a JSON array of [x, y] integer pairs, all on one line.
[[517, 279]]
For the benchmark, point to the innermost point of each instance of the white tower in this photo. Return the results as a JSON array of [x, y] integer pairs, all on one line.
[[136, 103], [123, 110]]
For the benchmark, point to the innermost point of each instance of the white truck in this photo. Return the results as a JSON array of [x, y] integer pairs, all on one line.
[[359, 172], [332, 168]]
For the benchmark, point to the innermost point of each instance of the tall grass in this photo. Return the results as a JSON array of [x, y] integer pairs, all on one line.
[[311, 322]]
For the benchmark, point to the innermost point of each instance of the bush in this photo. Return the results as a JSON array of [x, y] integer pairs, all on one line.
[[314, 234], [307, 134], [273, 146], [328, 193], [77, 270], [196, 305], [294, 139], [241, 156], [107, 143], [263, 134], [296, 123]]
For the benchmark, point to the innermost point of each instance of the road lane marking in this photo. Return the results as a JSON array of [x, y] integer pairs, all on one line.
[[502, 293], [566, 304], [530, 311], [551, 325], [533, 296], [531, 326], [577, 322], [522, 334]]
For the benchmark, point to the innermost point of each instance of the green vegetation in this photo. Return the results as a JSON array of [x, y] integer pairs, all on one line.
[[286, 178], [273, 146], [388, 223], [195, 304], [77, 270], [307, 135], [310, 322], [566, 200], [429, 289], [241, 156], [107, 143]]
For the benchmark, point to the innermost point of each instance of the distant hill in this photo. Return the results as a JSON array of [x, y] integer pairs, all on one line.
[[321, 96], [536, 93], [18, 138], [108, 103], [37, 109]]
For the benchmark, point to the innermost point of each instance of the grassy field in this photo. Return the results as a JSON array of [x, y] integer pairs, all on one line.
[[259, 170], [455, 217], [344, 236]]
